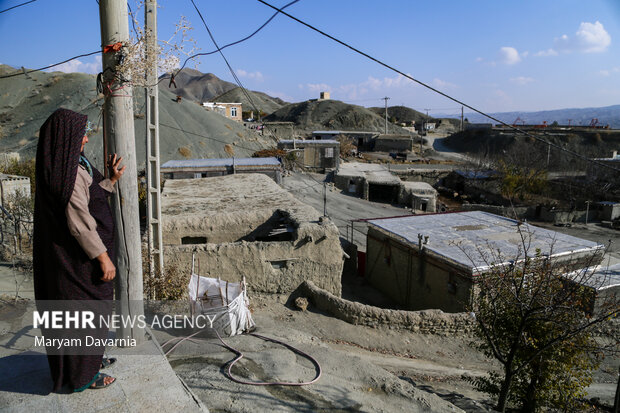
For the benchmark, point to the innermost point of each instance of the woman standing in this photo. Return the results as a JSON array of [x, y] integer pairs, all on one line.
[[73, 250]]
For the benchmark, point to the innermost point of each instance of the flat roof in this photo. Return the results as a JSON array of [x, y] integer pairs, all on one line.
[[338, 132], [600, 278], [311, 141], [372, 172], [462, 237], [204, 163], [230, 197], [420, 187]]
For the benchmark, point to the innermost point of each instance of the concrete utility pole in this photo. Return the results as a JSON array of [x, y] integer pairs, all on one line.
[[462, 119], [153, 181], [118, 117], [386, 120]]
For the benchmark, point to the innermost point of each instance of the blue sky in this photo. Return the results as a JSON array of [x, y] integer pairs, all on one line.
[[495, 55]]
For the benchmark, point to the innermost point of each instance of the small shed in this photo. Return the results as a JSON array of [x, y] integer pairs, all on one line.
[[204, 168], [320, 155], [393, 143], [433, 261], [13, 186], [603, 284], [420, 196], [608, 211], [370, 181]]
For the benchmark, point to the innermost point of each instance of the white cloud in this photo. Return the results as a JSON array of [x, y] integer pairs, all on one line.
[[77, 65], [281, 95], [354, 91], [258, 76], [443, 84], [610, 71], [545, 53], [479, 59], [589, 38], [509, 55], [521, 80]]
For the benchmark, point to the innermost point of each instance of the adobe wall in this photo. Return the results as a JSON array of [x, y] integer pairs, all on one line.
[[411, 279], [274, 267], [425, 322]]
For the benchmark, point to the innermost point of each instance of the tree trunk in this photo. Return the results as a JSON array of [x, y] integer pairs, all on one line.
[[530, 402], [503, 392]]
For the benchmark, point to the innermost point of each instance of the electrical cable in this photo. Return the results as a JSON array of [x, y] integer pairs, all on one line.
[[25, 72], [232, 72], [575, 154], [19, 5]]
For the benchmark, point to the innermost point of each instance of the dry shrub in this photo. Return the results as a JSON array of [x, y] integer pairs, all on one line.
[[22, 142], [229, 150], [228, 126], [172, 285], [239, 134], [185, 151]]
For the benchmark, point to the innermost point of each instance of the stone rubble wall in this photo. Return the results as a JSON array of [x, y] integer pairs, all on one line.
[[425, 321]]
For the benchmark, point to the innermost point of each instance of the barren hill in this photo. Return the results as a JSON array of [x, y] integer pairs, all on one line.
[[402, 114], [197, 86], [263, 102], [186, 129], [332, 114]]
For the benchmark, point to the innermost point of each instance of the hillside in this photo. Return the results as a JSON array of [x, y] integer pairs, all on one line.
[[197, 86], [28, 100], [402, 114], [261, 101], [333, 115], [608, 115]]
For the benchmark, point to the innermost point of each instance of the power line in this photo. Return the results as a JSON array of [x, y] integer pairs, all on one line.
[[230, 44], [25, 72], [237, 80], [19, 5], [575, 154]]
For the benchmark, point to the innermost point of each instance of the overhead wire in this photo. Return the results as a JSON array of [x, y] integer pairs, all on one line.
[[232, 72], [573, 153], [25, 72], [19, 5]]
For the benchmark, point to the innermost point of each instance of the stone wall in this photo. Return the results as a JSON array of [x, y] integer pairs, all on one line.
[[425, 322]]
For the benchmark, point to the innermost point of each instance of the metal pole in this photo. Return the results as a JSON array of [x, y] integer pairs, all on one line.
[[462, 119], [118, 117], [386, 115], [324, 199], [153, 181]]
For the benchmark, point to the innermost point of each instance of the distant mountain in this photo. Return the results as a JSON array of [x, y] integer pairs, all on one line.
[[260, 100], [197, 86], [608, 115], [187, 130], [332, 115]]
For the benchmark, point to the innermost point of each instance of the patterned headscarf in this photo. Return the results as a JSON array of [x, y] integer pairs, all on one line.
[[58, 154]]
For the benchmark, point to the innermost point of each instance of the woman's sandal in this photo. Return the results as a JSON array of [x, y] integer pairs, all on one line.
[[107, 362], [100, 382]]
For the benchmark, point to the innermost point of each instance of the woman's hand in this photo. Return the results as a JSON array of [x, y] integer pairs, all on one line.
[[115, 172], [107, 267]]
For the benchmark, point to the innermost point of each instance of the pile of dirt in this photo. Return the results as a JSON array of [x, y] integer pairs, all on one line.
[[333, 115], [259, 101], [197, 86], [187, 130]]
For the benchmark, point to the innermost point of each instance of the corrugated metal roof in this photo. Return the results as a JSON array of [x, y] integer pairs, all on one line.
[[203, 163], [465, 237]]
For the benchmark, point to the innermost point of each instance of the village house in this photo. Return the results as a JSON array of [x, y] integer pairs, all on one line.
[[205, 168], [420, 196], [433, 261], [393, 143], [230, 110], [247, 225], [322, 155], [601, 283], [370, 181]]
